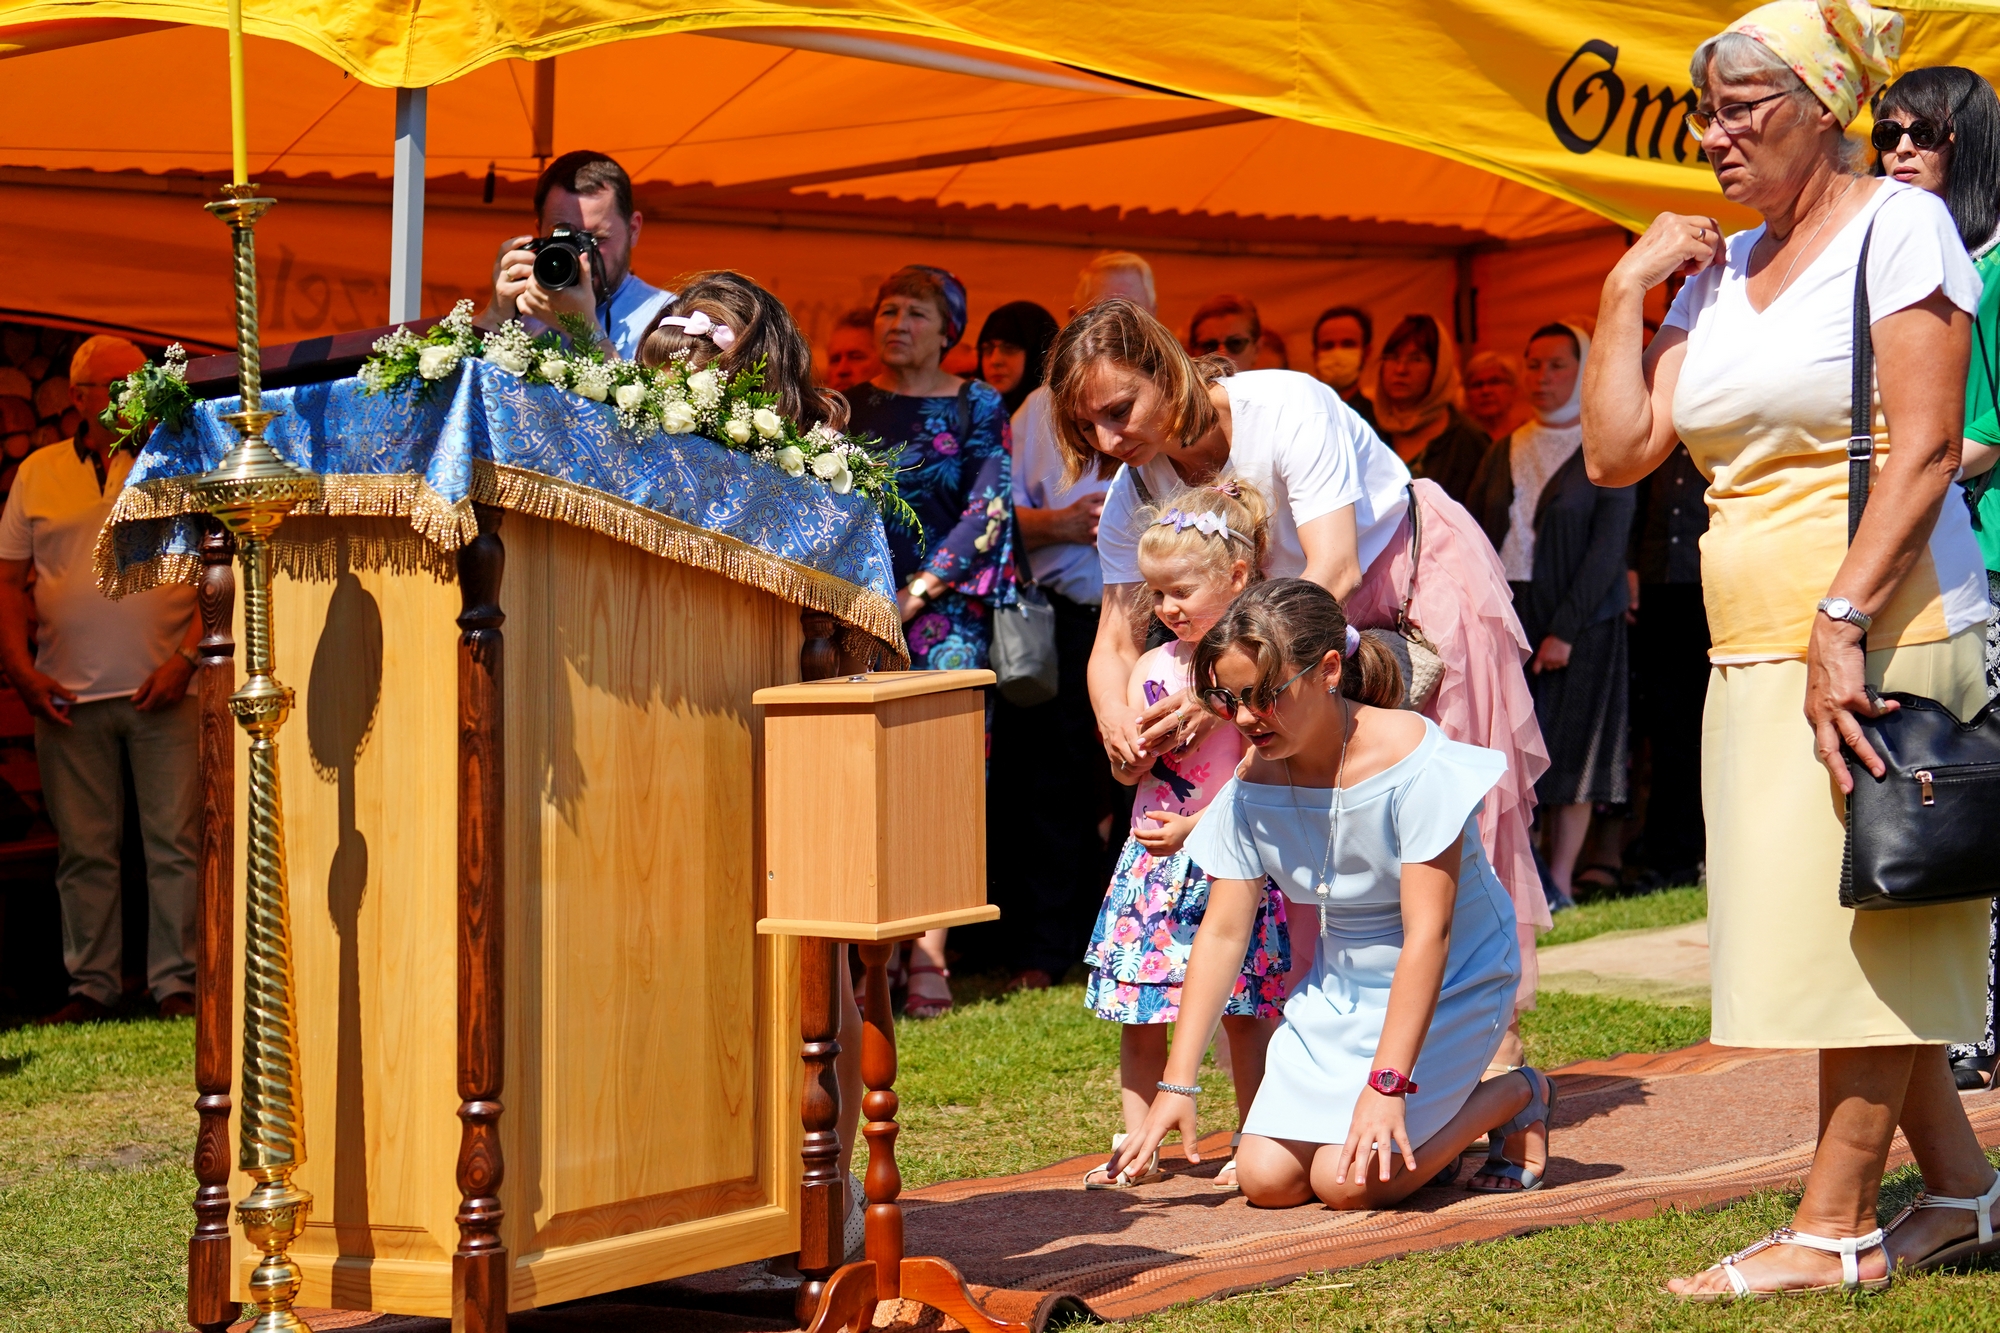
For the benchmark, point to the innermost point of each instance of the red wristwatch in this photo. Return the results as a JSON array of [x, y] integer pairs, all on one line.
[[1390, 1083]]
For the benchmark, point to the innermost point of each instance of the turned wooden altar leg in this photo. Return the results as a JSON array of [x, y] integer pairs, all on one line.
[[479, 1265], [821, 1217], [886, 1274], [211, 1304]]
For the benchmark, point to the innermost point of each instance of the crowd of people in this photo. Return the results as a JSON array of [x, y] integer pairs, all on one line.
[[1349, 656]]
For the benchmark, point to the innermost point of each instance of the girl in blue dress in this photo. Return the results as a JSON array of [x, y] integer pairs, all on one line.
[[1367, 815]]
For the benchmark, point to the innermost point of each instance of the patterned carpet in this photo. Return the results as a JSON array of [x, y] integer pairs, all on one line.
[[1627, 1132]]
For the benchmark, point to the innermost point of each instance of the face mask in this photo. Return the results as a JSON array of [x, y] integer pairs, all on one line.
[[1338, 366]]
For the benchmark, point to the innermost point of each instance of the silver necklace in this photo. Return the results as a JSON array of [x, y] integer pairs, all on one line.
[[1322, 882], [1786, 280]]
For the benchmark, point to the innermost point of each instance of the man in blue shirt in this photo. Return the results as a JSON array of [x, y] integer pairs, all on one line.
[[590, 192]]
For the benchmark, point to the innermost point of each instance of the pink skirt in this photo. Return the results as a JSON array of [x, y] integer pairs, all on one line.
[[1465, 608]]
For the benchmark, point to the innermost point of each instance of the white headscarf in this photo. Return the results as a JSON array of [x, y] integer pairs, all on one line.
[[1570, 412], [1535, 453]]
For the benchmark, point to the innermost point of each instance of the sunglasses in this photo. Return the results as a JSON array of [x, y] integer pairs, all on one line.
[[1887, 135], [1224, 704], [1734, 117], [1235, 345]]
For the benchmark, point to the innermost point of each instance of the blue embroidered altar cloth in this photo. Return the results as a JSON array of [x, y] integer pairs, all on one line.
[[485, 435]]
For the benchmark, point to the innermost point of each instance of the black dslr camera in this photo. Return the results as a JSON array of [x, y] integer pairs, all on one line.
[[560, 257]]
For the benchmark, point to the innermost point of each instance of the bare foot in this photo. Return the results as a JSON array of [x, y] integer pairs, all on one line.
[[1781, 1268], [1925, 1231]]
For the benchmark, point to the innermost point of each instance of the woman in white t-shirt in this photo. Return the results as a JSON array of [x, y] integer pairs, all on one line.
[[1124, 391], [1752, 370]]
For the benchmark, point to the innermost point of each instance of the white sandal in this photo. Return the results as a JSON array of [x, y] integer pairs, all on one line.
[[1124, 1180], [1958, 1250], [1849, 1249]]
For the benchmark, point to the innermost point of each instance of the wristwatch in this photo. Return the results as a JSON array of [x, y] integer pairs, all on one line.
[[1839, 608], [1390, 1083]]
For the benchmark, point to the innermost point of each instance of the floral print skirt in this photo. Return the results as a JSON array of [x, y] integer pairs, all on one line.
[[1139, 949]]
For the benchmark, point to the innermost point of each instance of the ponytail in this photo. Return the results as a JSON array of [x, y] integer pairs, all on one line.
[[1372, 675]]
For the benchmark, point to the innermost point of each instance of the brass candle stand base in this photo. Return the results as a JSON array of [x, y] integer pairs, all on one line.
[[250, 492]]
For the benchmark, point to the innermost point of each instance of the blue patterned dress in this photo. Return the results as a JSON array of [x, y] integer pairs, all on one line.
[[963, 493]]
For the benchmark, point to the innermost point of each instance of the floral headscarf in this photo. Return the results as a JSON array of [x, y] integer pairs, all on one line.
[[1842, 50]]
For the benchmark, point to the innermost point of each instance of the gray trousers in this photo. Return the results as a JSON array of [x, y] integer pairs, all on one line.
[[86, 799]]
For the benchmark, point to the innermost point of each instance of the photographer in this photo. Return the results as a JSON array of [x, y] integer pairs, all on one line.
[[589, 194]]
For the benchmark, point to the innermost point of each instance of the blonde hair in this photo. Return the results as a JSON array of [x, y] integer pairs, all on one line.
[[1113, 261], [1121, 332], [1242, 508]]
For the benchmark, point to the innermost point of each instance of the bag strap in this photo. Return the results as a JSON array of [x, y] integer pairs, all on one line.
[[1139, 485], [964, 413], [1416, 550], [1861, 420]]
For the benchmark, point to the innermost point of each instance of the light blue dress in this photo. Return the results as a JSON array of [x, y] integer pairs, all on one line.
[[1411, 811]]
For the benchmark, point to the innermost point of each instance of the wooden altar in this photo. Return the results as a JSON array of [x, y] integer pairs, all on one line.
[[544, 1051]]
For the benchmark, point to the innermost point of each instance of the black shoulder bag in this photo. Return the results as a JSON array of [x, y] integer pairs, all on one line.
[[1925, 832]]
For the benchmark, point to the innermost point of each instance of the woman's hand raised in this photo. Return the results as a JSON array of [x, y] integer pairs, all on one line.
[[1676, 245]]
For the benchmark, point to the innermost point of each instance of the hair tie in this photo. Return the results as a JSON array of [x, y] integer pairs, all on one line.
[[1208, 525], [1228, 488], [699, 325], [1353, 642]]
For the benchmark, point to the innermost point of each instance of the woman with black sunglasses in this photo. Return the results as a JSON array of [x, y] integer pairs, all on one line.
[[1939, 130]]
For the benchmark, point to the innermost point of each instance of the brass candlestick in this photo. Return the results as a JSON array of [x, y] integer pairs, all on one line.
[[250, 492]]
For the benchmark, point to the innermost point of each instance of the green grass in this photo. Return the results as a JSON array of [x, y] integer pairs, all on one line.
[[1563, 1028], [1649, 911], [96, 1123]]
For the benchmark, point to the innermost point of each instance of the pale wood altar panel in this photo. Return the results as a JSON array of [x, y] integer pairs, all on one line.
[[651, 1099]]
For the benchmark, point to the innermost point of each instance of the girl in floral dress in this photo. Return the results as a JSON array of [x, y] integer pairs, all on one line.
[[1203, 546]]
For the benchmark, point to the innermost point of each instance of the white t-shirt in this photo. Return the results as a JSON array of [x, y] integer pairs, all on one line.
[[1302, 447], [88, 643], [1068, 568], [1763, 406]]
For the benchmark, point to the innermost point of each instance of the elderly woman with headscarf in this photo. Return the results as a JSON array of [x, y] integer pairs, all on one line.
[[1417, 407], [959, 564], [1013, 344], [1562, 541], [1752, 370], [1492, 393]]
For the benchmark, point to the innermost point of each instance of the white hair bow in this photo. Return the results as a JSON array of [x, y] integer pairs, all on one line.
[[699, 325], [1209, 524]]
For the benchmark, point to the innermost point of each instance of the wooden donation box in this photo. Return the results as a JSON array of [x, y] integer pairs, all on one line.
[[525, 907]]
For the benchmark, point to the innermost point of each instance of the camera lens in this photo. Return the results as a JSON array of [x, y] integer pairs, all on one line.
[[558, 265]]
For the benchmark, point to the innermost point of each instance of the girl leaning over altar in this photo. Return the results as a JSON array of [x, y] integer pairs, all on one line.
[[1368, 815]]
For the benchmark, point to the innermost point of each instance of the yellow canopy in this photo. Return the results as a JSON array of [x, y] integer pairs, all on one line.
[[1578, 99]]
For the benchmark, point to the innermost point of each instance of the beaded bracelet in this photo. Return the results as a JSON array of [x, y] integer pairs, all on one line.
[[1183, 1089]]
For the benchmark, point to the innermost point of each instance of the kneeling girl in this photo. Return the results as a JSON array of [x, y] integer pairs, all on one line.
[[1366, 814]]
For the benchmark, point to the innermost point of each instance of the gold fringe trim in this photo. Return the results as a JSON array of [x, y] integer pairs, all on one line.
[[445, 527]]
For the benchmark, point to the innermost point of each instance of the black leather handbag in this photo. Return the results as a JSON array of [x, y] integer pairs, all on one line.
[[1926, 831]]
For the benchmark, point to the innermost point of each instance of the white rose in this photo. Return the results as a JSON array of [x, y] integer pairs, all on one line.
[[768, 423], [703, 383], [843, 481], [555, 370], [677, 418], [513, 360], [631, 395], [739, 431], [792, 460], [438, 361], [593, 381], [592, 389], [827, 466]]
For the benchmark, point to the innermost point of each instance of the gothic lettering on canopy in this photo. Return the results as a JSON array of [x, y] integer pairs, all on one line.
[[1583, 111]]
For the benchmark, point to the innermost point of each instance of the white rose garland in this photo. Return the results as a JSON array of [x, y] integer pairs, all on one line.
[[730, 409]]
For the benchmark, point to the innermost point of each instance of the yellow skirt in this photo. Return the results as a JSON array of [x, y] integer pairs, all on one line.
[[1789, 966]]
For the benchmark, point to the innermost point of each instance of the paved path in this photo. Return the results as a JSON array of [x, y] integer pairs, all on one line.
[[1666, 966]]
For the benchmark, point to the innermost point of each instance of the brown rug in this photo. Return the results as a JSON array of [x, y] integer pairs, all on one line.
[[1633, 1135]]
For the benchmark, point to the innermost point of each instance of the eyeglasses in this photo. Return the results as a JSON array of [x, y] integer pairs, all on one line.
[[1224, 704], [1887, 136], [1734, 117], [1236, 345]]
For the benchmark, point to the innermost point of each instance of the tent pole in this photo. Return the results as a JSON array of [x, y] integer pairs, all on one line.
[[406, 214]]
